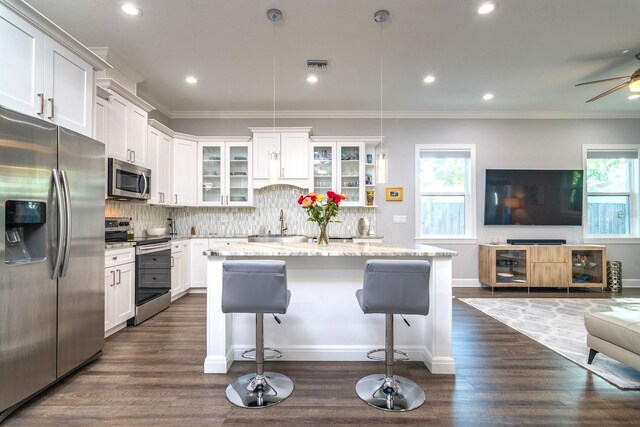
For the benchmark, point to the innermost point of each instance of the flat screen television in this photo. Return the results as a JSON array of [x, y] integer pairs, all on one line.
[[533, 197]]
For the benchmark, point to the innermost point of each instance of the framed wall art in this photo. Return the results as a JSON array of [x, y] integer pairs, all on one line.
[[394, 194]]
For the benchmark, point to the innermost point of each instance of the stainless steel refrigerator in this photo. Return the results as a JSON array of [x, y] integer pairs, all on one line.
[[51, 254]]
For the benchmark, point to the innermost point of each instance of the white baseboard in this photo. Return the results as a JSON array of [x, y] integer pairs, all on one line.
[[197, 290], [335, 353], [218, 365], [465, 283], [630, 283]]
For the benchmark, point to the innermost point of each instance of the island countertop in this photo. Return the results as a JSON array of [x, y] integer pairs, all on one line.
[[333, 249]]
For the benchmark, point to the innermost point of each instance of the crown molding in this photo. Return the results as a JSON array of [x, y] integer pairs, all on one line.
[[366, 139], [150, 99], [38, 20], [119, 63], [161, 127], [116, 87], [180, 135], [354, 114]]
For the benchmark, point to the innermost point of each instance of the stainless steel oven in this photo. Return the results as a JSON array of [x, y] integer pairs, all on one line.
[[153, 278], [128, 181]]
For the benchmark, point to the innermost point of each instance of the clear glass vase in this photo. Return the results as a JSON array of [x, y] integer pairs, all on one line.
[[323, 239]]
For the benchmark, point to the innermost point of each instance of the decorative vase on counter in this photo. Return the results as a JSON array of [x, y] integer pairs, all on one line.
[[323, 239]]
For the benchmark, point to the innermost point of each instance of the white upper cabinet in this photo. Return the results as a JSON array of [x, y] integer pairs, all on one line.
[[224, 172], [22, 70], [68, 89], [127, 125], [40, 76], [159, 161], [278, 156], [184, 158]]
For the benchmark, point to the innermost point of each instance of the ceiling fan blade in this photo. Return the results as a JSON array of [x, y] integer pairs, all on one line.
[[620, 86], [603, 80]]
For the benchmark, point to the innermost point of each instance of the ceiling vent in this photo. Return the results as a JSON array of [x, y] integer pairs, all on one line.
[[317, 65]]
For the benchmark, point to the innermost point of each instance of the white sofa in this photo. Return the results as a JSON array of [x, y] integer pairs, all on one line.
[[616, 334]]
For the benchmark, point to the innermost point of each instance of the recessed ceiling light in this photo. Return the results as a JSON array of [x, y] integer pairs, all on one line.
[[312, 79], [191, 80], [486, 7], [487, 96], [131, 9], [429, 79], [634, 96]]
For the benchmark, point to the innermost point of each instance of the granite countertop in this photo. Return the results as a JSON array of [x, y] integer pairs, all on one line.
[[333, 249]]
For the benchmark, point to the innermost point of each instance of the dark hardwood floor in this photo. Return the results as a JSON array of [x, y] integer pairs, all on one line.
[[152, 375]]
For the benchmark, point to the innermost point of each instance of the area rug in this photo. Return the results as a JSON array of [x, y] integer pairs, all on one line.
[[558, 323]]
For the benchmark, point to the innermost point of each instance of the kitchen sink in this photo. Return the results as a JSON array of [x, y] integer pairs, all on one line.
[[274, 238]]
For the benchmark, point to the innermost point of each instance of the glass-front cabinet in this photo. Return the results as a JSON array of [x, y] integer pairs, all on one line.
[[511, 266], [339, 166], [224, 174], [324, 170], [588, 267], [351, 172]]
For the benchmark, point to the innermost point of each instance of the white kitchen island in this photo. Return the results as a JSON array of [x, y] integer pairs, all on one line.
[[324, 321]]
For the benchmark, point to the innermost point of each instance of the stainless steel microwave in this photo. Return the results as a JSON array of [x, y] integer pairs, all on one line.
[[128, 181]]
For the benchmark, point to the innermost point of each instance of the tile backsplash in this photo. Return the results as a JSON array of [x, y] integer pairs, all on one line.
[[227, 222]]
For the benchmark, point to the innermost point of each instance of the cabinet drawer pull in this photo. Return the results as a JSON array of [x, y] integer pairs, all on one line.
[[171, 261], [41, 96], [114, 258], [176, 199], [133, 152], [52, 108]]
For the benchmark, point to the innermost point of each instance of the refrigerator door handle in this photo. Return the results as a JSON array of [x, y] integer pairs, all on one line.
[[67, 208], [61, 229]]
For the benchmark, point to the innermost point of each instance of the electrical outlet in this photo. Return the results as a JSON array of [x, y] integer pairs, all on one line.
[[399, 219]]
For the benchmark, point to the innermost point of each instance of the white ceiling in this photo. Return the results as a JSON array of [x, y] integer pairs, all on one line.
[[529, 53]]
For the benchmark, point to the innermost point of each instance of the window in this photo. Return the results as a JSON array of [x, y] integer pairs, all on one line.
[[612, 191], [444, 191]]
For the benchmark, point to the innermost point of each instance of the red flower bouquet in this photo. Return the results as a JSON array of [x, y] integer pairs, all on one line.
[[321, 209]]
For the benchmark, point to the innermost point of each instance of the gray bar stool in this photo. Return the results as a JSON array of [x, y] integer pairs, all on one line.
[[393, 287], [257, 286]]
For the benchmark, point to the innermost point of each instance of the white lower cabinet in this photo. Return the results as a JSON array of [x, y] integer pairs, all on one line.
[[199, 259], [199, 263], [180, 268], [119, 281]]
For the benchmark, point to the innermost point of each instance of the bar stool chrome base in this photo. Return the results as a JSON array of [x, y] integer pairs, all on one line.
[[395, 394], [259, 391]]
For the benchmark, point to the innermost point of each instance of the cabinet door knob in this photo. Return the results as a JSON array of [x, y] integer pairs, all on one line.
[[114, 258]]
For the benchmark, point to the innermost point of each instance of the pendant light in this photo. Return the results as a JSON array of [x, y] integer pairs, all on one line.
[[274, 16], [382, 157]]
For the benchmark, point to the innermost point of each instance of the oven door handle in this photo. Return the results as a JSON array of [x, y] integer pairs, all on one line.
[[155, 247]]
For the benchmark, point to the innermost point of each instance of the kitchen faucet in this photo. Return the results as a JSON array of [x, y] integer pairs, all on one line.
[[283, 226]]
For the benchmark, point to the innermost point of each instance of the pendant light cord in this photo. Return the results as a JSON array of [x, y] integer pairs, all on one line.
[[274, 76], [381, 142]]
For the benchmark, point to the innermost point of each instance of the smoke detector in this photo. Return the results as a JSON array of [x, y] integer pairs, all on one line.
[[317, 65]]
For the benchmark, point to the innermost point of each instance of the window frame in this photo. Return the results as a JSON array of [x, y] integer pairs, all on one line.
[[470, 195], [633, 193]]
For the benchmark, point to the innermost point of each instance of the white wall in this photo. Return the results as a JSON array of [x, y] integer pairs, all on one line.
[[500, 143]]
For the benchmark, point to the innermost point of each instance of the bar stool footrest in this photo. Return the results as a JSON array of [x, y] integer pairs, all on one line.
[[370, 355], [277, 355]]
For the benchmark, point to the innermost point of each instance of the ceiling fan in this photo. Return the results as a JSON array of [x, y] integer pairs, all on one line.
[[633, 83]]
